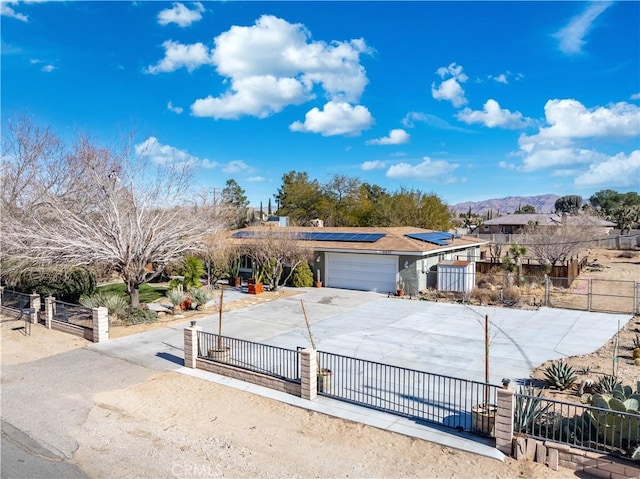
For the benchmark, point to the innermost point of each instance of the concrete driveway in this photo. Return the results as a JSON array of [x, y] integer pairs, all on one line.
[[438, 338]]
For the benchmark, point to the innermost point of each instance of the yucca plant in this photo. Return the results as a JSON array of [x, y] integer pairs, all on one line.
[[176, 296], [560, 375], [116, 304], [200, 296], [529, 408]]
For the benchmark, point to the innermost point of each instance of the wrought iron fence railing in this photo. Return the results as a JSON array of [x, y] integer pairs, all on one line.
[[578, 425], [257, 357], [448, 401]]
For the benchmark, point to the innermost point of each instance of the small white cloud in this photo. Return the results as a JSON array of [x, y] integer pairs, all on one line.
[[507, 166], [492, 116], [414, 117], [502, 78], [181, 15], [237, 166], [256, 179], [161, 154], [451, 88], [208, 164], [335, 119], [7, 11], [373, 165], [620, 170], [177, 56], [396, 137], [572, 36], [48, 68], [175, 109], [635, 96], [426, 170]]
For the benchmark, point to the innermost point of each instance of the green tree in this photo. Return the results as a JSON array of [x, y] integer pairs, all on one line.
[[623, 208], [299, 198], [233, 197], [570, 204], [193, 271], [526, 209]]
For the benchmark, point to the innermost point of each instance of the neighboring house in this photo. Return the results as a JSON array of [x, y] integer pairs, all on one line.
[[374, 259], [518, 223]]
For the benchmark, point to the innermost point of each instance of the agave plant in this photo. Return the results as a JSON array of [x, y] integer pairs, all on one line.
[[560, 375], [606, 384], [529, 408]]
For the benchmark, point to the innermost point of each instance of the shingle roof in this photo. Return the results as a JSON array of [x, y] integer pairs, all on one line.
[[550, 219], [393, 241]]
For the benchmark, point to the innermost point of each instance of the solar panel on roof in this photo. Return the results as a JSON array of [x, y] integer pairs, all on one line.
[[437, 237], [318, 236]]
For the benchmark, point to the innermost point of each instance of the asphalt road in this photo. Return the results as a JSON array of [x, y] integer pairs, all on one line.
[[22, 457]]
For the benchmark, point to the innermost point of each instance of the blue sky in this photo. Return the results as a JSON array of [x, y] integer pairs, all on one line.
[[468, 100]]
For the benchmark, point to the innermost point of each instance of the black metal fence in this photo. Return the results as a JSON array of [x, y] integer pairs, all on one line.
[[257, 357], [582, 426], [15, 301], [419, 395], [73, 314]]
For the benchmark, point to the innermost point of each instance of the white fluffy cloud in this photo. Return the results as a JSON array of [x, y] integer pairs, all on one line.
[[177, 56], [451, 88], [492, 116], [372, 165], [161, 154], [335, 119], [396, 137], [6, 10], [175, 109], [571, 37], [237, 166], [570, 120], [181, 15], [258, 96], [274, 63], [566, 144], [620, 170], [426, 170]]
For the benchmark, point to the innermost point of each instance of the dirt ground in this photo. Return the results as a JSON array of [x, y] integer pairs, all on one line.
[[174, 425]]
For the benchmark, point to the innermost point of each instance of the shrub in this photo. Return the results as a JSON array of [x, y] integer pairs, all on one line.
[[302, 276], [200, 296], [193, 271], [138, 316], [64, 284], [176, 295], [115, 303]]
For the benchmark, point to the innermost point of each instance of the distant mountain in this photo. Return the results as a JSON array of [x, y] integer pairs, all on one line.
[[503, 206]]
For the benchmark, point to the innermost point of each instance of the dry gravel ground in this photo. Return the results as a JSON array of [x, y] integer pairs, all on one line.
[[172, 425]]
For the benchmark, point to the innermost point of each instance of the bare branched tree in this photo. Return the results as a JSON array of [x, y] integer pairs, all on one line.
[[555, 244], [274, 251], [97, 206]]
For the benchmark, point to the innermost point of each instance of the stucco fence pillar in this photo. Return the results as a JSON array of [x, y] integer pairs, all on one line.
[[191, 345], [48, 311], [504, 420], [308, 374], [34, 305], [100, 324]]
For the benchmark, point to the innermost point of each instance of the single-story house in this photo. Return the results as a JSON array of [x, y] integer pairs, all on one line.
[[374, 259], [518, 223]]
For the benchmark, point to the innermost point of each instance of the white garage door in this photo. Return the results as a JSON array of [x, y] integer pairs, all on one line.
[[366, 272]]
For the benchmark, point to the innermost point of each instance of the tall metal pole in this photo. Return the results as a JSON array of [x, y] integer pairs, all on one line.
[[486, 358]]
